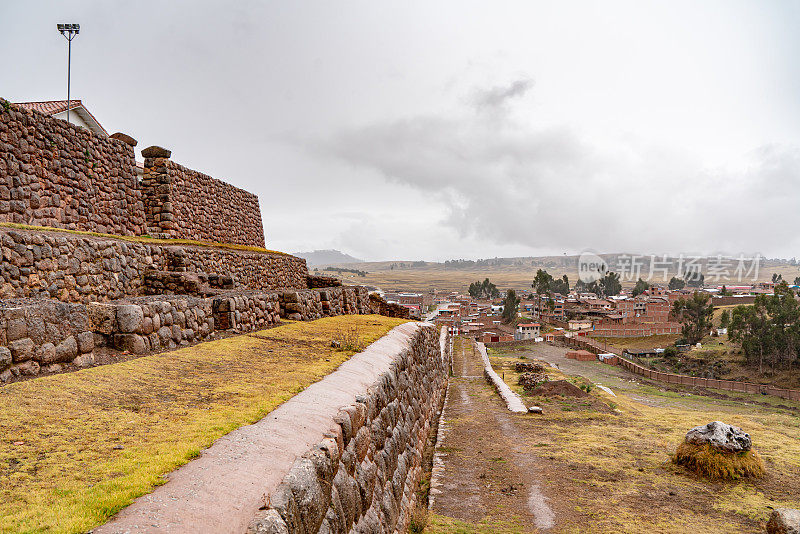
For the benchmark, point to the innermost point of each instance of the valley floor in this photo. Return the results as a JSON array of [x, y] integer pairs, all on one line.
[[599, 463]]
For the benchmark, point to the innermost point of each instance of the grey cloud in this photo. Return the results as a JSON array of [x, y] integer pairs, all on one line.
[[549, 188], [496, 97]]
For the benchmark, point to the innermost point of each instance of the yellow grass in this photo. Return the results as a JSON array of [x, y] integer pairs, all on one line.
[[143, 239], [710, 463], [630, 450], [78, 447]]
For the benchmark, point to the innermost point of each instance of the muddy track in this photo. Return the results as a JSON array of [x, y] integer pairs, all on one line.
[[486, 471]]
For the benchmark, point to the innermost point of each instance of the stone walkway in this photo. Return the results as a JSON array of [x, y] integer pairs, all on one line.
[[483, 469]]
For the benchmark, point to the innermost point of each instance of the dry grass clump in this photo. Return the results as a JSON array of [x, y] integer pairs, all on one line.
[[711, 463], [418, 520], [348, 340]]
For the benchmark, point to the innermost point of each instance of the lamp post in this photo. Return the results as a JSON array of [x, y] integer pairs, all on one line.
[[69, 31]]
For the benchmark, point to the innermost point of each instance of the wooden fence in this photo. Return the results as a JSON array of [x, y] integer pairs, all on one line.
[[685, 380]]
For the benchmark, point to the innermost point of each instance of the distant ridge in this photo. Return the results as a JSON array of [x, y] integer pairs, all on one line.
[[326, 257]]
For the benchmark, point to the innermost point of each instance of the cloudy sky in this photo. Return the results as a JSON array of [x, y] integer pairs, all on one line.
[[453, 129]]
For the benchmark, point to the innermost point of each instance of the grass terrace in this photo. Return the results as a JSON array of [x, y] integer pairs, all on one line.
[[78, 447]]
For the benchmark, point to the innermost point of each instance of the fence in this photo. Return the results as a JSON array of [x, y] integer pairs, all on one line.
[[684, 380]]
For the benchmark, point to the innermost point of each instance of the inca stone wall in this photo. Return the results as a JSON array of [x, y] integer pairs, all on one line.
[[48, 336], [53, 173], [344, 455], [183, 203], [75, 268], [362, 477]]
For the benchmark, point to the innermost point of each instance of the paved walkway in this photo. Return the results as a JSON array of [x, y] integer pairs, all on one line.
[[485, 471]]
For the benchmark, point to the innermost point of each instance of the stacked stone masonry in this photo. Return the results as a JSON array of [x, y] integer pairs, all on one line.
[[39, 335], [362, 478], [53, 173], [75, 268], [183, 203]]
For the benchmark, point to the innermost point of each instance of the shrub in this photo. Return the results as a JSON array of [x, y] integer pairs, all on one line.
[[712, 463]]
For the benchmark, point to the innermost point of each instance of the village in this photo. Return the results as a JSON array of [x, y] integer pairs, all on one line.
[[554, 316]]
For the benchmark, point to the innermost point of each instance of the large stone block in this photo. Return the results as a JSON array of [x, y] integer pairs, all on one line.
[[129, 318]]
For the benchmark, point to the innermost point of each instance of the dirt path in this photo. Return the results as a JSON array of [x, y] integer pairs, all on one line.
[[487, 473]]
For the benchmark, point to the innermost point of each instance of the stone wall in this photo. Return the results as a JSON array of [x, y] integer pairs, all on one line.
[[45, 335], [75, 268], [184, 203], [362, 478], [53, 173], [343, 455]]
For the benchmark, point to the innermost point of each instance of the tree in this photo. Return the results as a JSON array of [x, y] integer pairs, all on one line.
[[483, 290], [769, 330], [695, 313], [510, 306], [542, 282], [640, 287], [724, 292], [797, 281], [694, 279], [777, 278], [560, 286], [724, 319], [609, 285], [676, 283]]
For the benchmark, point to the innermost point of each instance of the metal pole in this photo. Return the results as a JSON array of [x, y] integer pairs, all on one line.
[[69, 66]]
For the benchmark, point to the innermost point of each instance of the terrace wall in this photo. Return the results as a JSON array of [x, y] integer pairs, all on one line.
[[76, 268], [53, 173], [48, 336]]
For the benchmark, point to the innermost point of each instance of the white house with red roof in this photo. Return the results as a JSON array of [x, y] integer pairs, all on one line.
[[78, 114]]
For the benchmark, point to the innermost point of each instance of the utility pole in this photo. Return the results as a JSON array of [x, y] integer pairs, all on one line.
[[69, 31]]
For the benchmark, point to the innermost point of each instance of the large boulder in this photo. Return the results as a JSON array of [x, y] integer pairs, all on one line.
[[784, 521], [721, 436]]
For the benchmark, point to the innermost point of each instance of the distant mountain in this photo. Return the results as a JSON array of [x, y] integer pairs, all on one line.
[[326, 257]]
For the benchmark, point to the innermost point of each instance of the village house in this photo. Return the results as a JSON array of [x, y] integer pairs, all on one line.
[[526, 331]]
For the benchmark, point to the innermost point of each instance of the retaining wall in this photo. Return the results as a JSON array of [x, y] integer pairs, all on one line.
[[75, 268], [53, 173], [184, 203], [636, 330], [344, 455], [49, 336]]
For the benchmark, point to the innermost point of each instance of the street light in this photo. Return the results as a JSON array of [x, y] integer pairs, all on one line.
[[69, 31]]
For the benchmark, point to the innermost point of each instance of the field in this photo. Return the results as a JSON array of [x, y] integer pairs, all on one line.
[[418, 277], [614, 452], [77, 447]]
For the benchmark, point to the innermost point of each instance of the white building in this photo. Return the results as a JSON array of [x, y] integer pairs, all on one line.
[[527, 331]]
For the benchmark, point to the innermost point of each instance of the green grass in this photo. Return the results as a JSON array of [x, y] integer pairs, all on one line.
[[78, 447], [144, 239]]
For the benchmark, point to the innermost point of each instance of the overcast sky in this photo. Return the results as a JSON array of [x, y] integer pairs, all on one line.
[[434, 130]]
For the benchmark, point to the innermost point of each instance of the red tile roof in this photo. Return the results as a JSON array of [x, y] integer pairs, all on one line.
[[53, 107], [50, 107]]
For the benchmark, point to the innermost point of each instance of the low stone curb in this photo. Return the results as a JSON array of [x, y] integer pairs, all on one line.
[[512, 400]]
